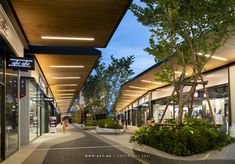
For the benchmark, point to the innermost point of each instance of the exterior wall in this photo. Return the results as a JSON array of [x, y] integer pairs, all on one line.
[[24, 118], [34, 119], [9, 79], [219, 98], [232, 98]]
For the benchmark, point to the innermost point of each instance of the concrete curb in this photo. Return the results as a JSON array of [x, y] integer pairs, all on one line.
[[108, 131], [156, 152], [89, 127], [163, 157]]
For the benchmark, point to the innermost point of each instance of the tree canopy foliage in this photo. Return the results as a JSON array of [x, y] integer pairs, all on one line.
[[188, 32], [102, 87]]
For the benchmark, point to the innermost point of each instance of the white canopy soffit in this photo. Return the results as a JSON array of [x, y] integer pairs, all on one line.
[[144, 82]]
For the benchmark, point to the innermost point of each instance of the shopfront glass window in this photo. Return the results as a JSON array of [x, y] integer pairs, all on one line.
[[158, 109], [33, 113], [41, 112], [1, 92], [219, 103], [11, 111], [218, 96], [134, 113], [42, 109]]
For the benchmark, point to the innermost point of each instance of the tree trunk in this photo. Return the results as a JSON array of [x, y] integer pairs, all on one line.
[[180, 113], [190, 108]]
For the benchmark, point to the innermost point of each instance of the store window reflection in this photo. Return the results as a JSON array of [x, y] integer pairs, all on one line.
[[218, 96], [33, 98], [1, 91], [11, 111]]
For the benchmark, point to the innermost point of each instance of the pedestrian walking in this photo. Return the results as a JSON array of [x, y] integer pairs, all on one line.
[[64, 124]]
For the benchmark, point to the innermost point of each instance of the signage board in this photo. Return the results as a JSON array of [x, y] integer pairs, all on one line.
[[53, 124], [23, 64]]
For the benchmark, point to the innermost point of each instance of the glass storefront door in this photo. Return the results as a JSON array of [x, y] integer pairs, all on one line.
[[11, 129], [33, 113], [1, 109]]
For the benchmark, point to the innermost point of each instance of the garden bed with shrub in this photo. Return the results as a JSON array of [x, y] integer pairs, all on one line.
[[108, 126], [90, 124], [195, 136]]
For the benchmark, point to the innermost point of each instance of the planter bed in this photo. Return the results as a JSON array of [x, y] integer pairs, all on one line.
[[89, 127], [108, 131], [151, 154]]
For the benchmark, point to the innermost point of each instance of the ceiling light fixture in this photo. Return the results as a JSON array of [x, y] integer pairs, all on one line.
[[65, 78], [66, 38], [64, 100], [66, 97], [152, 82], [132, 94], [138, 87], [65, 94], [10, 74], [66, 66], [64, 103], [179, 72], [213, 57], [66, 85], [127, 90], [65, 90]]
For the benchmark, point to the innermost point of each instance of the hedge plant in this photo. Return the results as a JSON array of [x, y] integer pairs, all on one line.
[[195, 136], [90, 123], [109, 123]]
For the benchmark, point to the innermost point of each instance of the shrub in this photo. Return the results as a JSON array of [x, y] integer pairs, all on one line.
[[90, 123], [195, 136], [109, 123]]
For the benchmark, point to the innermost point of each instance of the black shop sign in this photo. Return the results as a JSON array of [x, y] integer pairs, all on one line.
[[23, 64]]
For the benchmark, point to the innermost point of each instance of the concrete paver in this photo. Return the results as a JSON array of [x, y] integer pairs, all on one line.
[[75, 146], [79, 146]]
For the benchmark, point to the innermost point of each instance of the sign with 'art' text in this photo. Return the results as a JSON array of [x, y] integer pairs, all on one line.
[[23, 64]]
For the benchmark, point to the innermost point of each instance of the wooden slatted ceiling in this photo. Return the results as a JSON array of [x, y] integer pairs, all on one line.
[[227, 52], [46, 60], [71, 18]]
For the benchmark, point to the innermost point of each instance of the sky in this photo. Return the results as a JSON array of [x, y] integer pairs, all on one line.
[[130, 38]]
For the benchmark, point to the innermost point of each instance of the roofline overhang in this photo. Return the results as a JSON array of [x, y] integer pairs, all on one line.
[[149, 69], [19, 29], [84, 82], [61, 50], [119, 21]]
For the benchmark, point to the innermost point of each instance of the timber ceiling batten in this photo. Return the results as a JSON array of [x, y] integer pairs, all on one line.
[[145, 82], [95, 20], [66, 75], [70, 24]]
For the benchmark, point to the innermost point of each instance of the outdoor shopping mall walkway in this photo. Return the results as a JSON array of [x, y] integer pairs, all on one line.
[[87, 147], [77, 146]]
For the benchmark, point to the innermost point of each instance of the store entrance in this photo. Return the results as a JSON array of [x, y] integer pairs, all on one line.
[[1, 109]]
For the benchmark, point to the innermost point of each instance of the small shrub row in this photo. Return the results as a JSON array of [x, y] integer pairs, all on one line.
[[90, 123], [109, 123], [195, 136]]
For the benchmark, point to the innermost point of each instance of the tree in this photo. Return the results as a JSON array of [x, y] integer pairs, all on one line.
[[118, 72], [187, 32], [94, 90], [103, 85]]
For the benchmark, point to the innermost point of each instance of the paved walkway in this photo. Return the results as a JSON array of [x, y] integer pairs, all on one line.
[[75, 146], [79, 146]]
